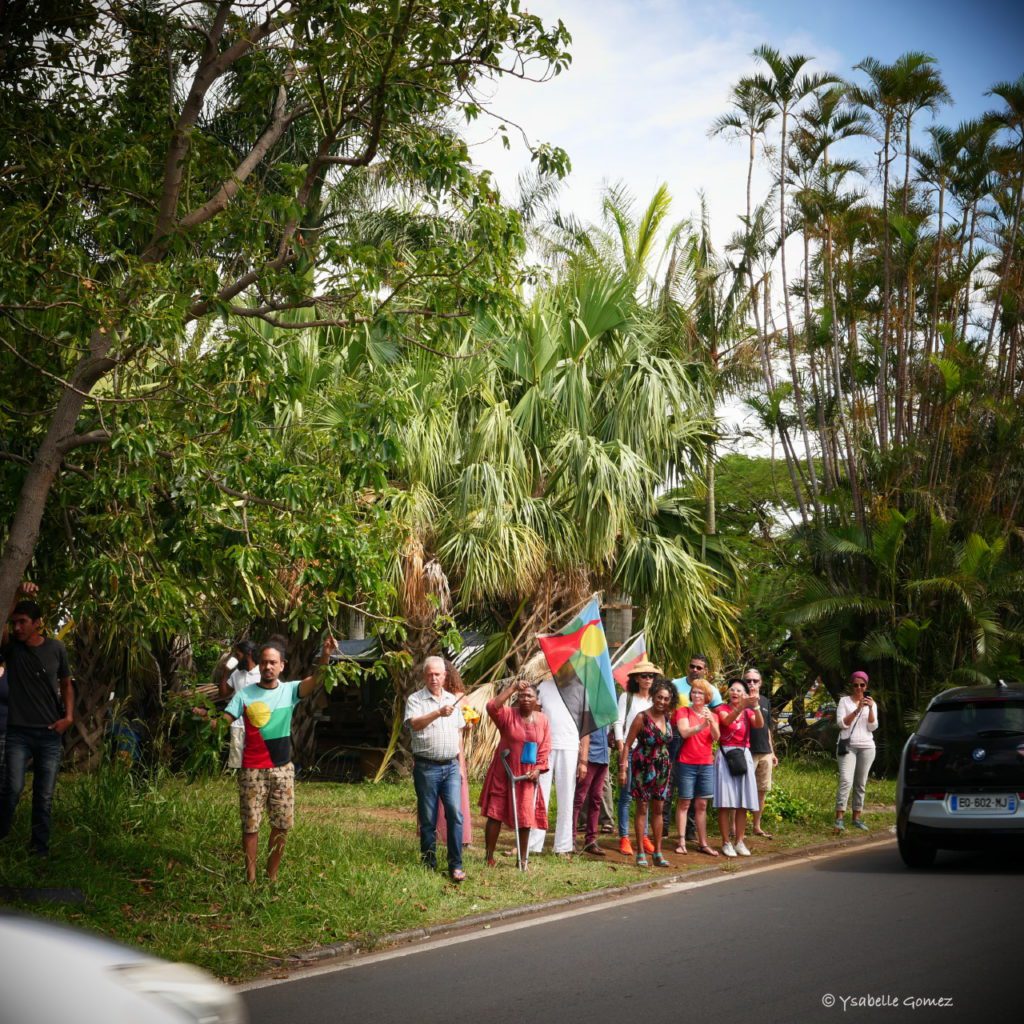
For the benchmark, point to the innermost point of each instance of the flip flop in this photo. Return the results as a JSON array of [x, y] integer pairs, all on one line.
[[764, 835], [708, 850], [681, 850], [458, 876]]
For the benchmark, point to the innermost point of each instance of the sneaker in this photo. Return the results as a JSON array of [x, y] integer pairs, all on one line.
[[741, 849], [625, 846], [728, 849], [861, 825], [648, 845]]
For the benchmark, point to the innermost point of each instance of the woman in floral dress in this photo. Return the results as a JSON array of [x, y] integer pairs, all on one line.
[[650, 765]]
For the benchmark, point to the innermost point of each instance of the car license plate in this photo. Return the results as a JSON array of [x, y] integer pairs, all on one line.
[[985, 803]]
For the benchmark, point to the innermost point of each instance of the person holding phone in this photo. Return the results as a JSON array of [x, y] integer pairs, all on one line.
[[735, 794], [857, 718]]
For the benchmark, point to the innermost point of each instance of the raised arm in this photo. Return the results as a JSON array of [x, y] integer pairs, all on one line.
[[309, 683]]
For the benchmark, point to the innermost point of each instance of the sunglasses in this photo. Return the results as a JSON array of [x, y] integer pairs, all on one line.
[[860, 686], [697, 665], [643, 675]]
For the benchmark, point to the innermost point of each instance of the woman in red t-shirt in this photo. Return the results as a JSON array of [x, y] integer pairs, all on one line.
[[694, 775]]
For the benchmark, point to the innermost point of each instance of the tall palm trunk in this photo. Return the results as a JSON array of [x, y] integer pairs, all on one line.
[[883, 366], [798, 396]]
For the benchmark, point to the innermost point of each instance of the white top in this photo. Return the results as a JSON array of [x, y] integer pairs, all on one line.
[[238, 681], [623, 722], [564, 734], [438, 741], [859, 734]]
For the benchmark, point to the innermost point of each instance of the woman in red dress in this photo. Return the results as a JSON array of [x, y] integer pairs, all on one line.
[[521, 724]]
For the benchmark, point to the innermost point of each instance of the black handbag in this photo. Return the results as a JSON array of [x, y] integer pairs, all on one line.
[[736, 760], [843, 745]]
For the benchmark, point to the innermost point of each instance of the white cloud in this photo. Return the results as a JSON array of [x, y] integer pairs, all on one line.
[[646, 81]]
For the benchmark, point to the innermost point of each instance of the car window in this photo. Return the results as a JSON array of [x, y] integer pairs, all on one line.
[[951, 721]]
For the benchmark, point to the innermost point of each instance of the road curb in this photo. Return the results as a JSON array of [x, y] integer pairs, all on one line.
[[374, 943]]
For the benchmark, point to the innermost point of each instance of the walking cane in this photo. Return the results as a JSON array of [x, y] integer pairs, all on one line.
[[521, 861]]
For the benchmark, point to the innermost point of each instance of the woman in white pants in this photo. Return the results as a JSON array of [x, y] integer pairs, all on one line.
[[857, 718]]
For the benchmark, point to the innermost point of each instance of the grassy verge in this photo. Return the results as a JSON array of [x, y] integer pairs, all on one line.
[[160, 865]]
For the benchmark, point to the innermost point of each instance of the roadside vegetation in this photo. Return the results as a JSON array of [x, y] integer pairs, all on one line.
[[159, 864]]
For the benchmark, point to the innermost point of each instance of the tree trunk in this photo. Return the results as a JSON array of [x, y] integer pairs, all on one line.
[[39, 479]]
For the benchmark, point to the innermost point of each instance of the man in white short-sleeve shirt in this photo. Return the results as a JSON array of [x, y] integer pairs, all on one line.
[[434, 721]]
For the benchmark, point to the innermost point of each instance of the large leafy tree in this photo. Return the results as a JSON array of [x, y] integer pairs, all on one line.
[[165, 163]]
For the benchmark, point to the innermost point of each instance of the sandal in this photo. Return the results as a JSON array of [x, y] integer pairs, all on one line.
[[681, 850], [641, 861], [710, 851], [458, 876], [660, 862], [764, 835]]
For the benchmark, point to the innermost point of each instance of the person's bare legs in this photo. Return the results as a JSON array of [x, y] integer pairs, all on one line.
[[725, 823], [640, 825], [681, 808], [275, 850], [657, 811], [250, 846], [739, 817], [491, 832]]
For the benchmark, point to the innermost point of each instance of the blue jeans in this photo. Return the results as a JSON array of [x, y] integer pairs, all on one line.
[[44, 747], [439, 782]]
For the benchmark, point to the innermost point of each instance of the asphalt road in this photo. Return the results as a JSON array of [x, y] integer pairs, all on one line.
[[780, 944]]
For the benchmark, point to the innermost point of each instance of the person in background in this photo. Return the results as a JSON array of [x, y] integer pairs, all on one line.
[[634, 700], [436, 725], [40, 711], [735, 794], [762, 750], [502, 801], [697, 726], [454, 685], [565, 745], [650, 766], [857, 718], [591, 772], [240, 671]]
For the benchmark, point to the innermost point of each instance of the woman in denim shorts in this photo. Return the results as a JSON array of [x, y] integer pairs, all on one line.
[[694, 774]]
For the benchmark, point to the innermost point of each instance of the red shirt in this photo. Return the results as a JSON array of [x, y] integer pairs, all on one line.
[[696, 749], [737, 734]]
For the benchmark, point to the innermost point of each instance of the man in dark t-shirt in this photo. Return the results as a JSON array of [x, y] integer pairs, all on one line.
[[39, 713], [762, 749]]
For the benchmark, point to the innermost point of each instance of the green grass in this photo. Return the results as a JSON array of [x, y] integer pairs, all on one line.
[[160, 864]]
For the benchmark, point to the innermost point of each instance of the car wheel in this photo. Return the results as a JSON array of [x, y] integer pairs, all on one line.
[[916, 853]]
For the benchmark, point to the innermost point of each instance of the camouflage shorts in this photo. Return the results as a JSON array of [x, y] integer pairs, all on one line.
[[273, 788]]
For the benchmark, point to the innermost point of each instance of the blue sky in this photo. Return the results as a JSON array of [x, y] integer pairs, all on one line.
[[649, 76]]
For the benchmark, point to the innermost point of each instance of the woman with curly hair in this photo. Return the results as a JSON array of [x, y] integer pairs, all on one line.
[[650, 766]]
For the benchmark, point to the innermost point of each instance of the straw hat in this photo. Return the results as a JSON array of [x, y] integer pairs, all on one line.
[[645, 666]]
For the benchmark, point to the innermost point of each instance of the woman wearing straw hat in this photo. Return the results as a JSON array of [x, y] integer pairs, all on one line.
[[631, 703]]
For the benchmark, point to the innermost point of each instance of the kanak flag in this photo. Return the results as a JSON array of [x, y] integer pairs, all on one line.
[[582, 669], [627, 657]]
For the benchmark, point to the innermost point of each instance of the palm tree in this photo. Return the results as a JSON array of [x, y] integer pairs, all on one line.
[[784, 88], [894, 92]]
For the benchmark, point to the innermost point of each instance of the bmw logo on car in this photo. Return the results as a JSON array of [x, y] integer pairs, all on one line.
[[978, 754]]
